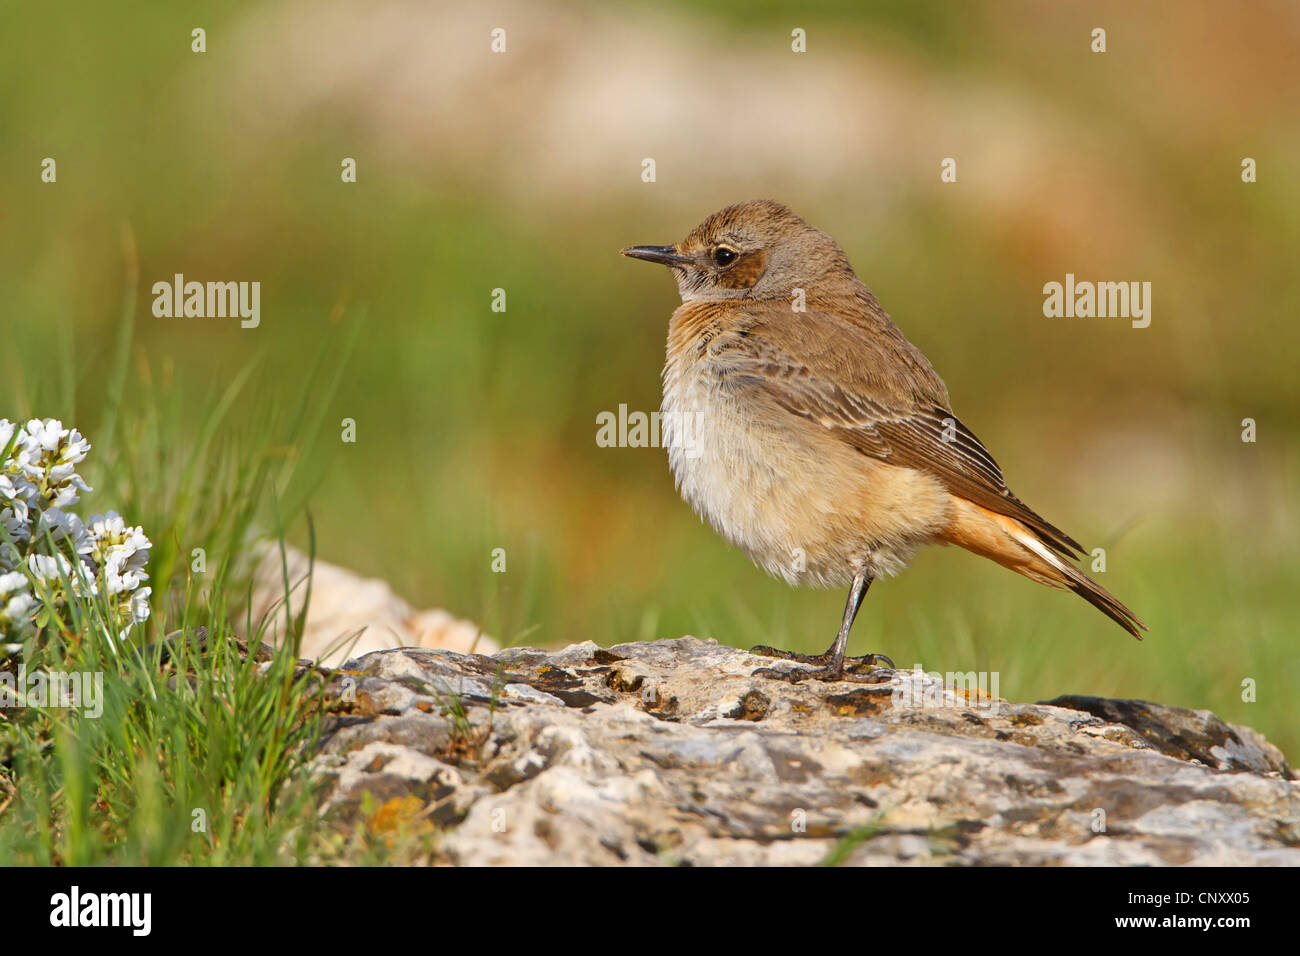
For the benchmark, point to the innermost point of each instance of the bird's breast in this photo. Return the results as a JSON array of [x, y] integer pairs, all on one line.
[[756, 480], [801, 503]]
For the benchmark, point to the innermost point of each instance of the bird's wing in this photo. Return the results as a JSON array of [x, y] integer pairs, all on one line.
[[902, 419]]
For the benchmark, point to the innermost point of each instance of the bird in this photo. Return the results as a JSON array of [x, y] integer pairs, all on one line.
[[811, 434]]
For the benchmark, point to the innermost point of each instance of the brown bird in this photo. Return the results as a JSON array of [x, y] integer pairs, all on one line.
[[815, 437]]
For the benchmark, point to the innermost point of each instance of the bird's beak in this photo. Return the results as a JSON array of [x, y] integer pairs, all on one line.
[[664, 255]]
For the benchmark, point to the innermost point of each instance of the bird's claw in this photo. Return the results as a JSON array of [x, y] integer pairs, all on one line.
[[823, 667], [869, 660]]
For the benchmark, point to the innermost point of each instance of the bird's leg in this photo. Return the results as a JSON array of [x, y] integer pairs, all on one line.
[[830, 664]]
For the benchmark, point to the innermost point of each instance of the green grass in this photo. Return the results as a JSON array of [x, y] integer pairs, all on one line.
[[196, 761], [198, 755], [851, 841]]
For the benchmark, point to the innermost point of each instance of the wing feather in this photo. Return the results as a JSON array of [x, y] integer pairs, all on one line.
[[901, 425]]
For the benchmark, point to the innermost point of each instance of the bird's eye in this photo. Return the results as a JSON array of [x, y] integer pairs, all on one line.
[[724, 256]]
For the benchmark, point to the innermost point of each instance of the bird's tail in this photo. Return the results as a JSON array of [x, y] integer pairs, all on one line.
[[1014, 545]]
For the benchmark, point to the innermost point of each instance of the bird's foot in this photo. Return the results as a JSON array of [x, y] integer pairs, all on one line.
[[849, 669]]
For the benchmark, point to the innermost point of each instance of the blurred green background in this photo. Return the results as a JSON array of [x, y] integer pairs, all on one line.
[[522, 171]]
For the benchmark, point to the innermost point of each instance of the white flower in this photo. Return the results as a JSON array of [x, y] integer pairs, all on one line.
[[51, 571], [111, 531], [47, 454], [119, 577], [7, 429], [16, 490], [50, 438], [122, 552], [15, 524], [13, 537], [64, 528], [16, 495], [140, 605], [16, 603], [105, 559]]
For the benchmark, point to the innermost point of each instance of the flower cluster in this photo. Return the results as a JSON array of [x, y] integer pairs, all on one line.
[[47, 553]]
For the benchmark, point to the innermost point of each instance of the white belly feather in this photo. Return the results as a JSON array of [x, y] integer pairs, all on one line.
[[757, 485]]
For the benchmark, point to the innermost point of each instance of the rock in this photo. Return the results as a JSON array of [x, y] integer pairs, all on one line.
[[1196, 735], [350, 615], [670, 752]]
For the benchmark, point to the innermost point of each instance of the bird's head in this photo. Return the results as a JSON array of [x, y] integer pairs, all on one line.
[[756, 250]]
